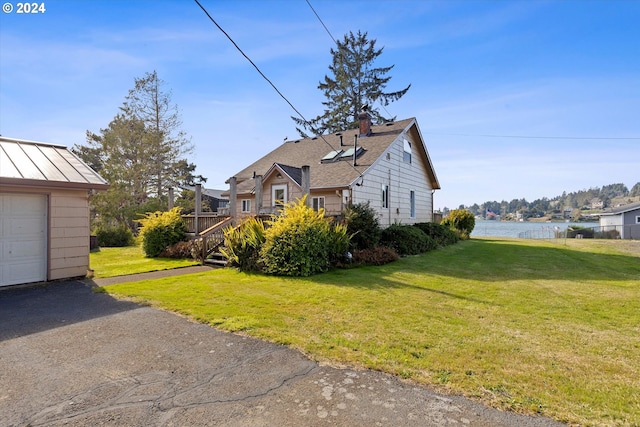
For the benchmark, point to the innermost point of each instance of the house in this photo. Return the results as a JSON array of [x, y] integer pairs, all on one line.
[[624, 220], [213, 198], [596, 204], [386, 165], [44, 212]]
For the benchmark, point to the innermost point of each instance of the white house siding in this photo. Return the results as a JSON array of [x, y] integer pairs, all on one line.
[[333, 203], [611, 220], [69, 234], [390, 169]]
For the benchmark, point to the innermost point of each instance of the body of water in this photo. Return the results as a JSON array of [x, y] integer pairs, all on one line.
[[512, 229]]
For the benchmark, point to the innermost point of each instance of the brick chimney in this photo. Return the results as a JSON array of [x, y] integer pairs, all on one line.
[[365, 121]]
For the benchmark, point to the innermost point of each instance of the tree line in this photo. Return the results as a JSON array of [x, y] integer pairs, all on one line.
[[576, 202]]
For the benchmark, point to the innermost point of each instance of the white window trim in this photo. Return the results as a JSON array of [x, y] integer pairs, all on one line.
[[246, 205], [407, 153], [638, 219], [385, 196], [276, 187], [412, 204], [317, 203]]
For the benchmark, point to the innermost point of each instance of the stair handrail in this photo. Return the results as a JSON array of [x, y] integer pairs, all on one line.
[[214, 233]]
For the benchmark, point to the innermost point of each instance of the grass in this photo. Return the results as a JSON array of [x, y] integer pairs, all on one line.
[[110, 262], [528, 326]]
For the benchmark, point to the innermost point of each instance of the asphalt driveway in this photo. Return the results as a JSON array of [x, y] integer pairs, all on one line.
[[73, 357]]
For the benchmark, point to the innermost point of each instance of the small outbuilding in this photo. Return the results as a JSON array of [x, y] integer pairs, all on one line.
[[623, 220], [44, 212]]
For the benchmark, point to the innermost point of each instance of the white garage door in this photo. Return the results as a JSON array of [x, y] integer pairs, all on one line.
[[23, 238]]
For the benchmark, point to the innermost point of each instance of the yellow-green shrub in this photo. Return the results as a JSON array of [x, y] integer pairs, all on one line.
[[302, 242], [242, 245], [460, 220], [160, 230]]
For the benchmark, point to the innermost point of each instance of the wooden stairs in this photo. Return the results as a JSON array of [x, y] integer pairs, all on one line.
[[210, 241]]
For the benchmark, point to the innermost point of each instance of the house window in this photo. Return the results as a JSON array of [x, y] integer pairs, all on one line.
[[638, 220], [317, 203], [246, 206], [385, 196], [412, 203], [279, 195], [407, 152]]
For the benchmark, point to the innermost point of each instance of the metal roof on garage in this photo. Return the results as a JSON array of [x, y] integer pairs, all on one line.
[[34, 163]]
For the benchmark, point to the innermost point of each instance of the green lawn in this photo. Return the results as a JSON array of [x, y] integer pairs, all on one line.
[[109, 262], [529, 326]]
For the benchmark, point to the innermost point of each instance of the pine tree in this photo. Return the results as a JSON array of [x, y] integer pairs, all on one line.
[[355, 82], [140, 154], [148, 102]]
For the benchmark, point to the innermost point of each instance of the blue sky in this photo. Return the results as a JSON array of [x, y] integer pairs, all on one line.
[[500, 88]]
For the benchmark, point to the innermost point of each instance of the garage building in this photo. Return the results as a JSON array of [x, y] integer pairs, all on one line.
[[44, 212]]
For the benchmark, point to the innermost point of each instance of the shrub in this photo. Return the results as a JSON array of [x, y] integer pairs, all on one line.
[[362, 226], [117, 236], [443, 236], [378, 255], [242, 245], [183, 249], [406, 240], [302, 242], [461, 221], [160, 230]]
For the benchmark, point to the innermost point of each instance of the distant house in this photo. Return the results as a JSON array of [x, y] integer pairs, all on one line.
[[623, 219], [386, 165], [596, 203], [214, 198], [44, 212]]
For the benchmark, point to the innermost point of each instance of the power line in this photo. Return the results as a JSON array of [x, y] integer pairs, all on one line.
[[266, 78], [336, 43], [484, 136], [249, 59], [596, 138], [319, 19]]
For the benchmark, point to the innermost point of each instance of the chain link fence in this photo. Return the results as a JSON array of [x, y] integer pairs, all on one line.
[[631, 231]]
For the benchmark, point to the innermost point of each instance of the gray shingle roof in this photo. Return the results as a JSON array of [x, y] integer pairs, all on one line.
[[37, 163], [311, 151], [622, 209]]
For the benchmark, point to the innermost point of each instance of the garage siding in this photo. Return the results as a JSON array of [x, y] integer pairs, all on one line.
[[65, 225], [69, 234]]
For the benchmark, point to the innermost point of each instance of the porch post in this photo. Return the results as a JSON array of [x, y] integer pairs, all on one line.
[[258, 181], [233, 198], [198, 207], [170, 198], [306, 183]]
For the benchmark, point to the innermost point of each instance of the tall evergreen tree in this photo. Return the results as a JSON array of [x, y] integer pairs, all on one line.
[[140, 154], [150, 103], [355, 81]]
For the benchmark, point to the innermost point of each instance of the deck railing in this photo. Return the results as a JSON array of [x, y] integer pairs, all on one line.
[[204, 221]]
